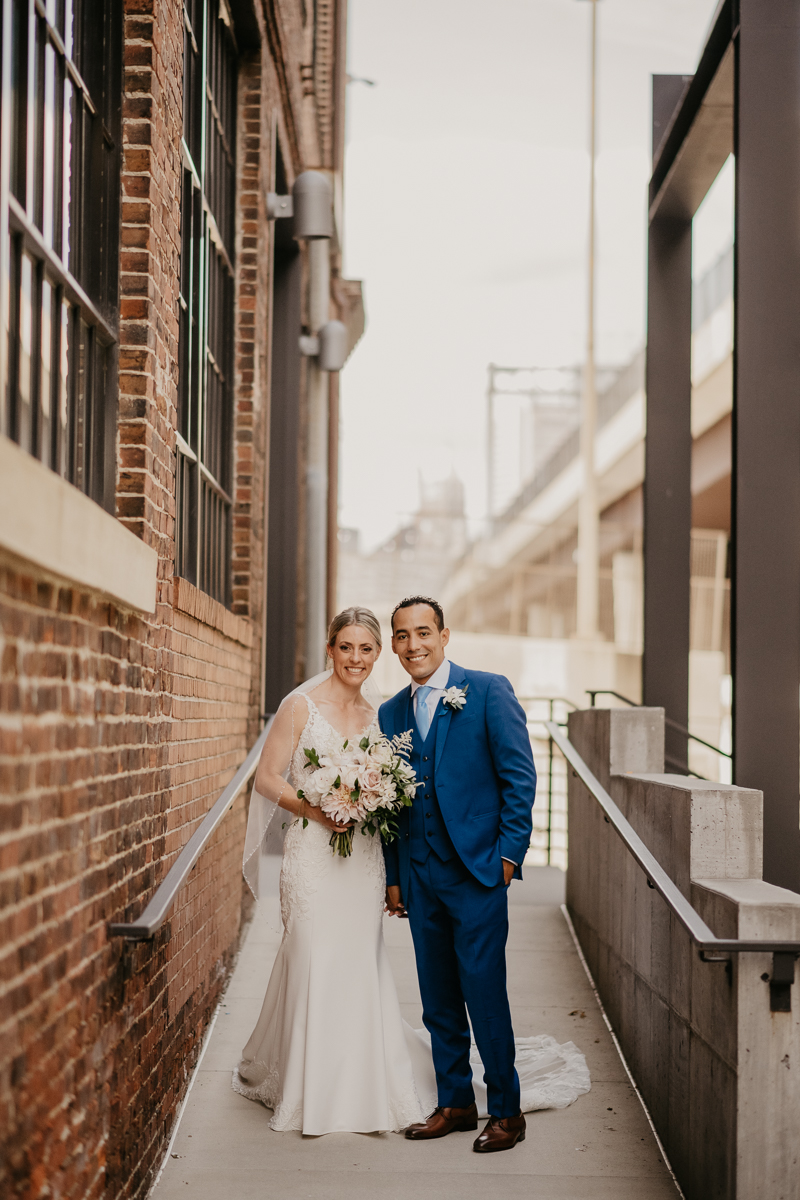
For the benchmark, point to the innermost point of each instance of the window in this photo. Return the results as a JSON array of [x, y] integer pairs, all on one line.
[[205, 404], [59, 239]]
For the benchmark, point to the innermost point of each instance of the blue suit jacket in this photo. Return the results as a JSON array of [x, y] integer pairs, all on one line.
[[484, 776]]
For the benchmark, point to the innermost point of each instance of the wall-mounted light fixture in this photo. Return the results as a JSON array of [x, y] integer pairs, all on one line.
[[329, 346], [332, 346], [313, 206]]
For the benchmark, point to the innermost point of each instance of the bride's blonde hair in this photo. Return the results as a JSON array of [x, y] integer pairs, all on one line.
[[355, 616]]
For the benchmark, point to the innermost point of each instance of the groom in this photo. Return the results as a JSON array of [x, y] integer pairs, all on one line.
[[460, 845]]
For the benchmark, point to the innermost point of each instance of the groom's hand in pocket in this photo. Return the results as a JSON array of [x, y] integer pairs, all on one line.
[[508, 872], [394, 902]]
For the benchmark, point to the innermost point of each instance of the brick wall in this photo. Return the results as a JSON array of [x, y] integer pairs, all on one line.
[[117, 734], [149, 271], [118, 731], [252, 247]]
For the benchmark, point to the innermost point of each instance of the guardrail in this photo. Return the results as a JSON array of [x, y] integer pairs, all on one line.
[[163, 899], [527, 703], [711, 947], [673, 762]]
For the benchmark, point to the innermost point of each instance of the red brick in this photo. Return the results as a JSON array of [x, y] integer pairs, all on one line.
[[124, 728]]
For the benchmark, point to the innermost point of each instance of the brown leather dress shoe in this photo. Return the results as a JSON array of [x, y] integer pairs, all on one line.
[[443, 1121], [501, 1133]]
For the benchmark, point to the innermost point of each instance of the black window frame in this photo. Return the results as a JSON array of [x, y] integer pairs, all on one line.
[[206, 399], [60, 160]]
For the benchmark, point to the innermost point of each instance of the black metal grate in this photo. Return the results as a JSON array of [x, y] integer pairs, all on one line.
[[205, 416], [59, 243]]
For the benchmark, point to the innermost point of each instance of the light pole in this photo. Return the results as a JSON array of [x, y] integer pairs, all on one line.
[[588, 516]]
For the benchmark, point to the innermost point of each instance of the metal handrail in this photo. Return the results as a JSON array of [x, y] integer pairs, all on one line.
[[657, 878], [160, 905], [547, 700], [669, 759], [667, 720]]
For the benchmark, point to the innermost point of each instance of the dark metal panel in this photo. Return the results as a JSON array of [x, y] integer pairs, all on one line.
[[667, 481], [700, 157], [765, 636], [668, 94], [284, 483], [680, 131], [245, 24]]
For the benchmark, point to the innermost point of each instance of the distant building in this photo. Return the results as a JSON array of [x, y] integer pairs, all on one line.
[[417, 559], [519, 578]]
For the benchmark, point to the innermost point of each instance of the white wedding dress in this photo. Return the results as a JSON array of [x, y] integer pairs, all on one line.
[[330, 1051]]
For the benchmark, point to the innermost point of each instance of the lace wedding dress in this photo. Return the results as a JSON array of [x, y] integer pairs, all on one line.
[[330, 1051]]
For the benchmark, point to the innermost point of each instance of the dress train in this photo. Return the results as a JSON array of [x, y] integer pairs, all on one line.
[[330, 1051]]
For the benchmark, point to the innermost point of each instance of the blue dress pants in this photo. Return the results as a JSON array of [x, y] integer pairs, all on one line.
[[460, 930]]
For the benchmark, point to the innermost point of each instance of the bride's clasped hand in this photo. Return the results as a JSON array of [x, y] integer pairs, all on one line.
[[420, 806]]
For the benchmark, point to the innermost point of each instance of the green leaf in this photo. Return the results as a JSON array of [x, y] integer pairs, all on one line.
[[347, 743], [300, 795], [312, 756], [305, 822], [364, 744]]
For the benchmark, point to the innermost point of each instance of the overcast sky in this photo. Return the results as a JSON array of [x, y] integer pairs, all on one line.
[[466, 184]]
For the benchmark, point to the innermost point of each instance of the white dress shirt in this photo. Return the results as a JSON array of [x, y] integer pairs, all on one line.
[[438, 684]]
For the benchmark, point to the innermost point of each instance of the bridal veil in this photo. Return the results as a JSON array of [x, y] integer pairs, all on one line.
[[284, 729]]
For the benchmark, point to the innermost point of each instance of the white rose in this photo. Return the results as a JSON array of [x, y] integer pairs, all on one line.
[[349, 775], [381, 754], [370, 778], [337, 760], [321, 781]]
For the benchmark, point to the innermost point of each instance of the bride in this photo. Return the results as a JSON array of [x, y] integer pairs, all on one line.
[[330, 1051]]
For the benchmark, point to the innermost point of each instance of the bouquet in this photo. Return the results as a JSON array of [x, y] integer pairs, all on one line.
[[369, 784]]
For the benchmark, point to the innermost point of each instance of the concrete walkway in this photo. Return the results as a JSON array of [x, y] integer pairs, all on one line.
[[600, 1147]]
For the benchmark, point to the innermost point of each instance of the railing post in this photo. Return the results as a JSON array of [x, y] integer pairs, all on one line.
[[550, 790], [667, 481]]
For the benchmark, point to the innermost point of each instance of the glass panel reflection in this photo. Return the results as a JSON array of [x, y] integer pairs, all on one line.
[[49, 145], [17, 95], [46, 377], [67, 27], [25, 380], [66, 190], [37, 116], [9, 298], [63, 388], [79, 412]]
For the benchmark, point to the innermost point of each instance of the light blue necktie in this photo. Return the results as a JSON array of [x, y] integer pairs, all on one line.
[[423, 712]]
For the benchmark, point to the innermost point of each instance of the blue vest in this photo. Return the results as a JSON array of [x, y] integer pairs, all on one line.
[[427, 830]]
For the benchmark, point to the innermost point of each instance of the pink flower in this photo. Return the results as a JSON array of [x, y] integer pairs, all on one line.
[[340, 805], [370, 801], [370, 779]]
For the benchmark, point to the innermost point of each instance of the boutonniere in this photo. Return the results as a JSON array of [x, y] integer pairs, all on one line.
[[455, 698]]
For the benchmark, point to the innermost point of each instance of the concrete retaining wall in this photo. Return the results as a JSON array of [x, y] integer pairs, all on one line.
[[718, 1070]]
